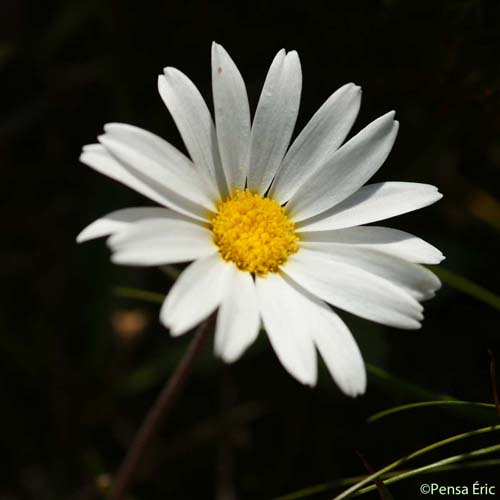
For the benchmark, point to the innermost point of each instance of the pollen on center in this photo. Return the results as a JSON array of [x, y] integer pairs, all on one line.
[[253, 232]]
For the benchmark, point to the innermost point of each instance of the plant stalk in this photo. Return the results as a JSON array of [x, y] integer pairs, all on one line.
[[159, 412]]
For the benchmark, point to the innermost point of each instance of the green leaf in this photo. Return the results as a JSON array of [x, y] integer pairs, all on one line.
[[466, 286], [402, 386], [404, 389], [136, 293]]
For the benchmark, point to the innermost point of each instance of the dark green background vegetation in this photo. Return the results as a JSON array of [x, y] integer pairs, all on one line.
[[80, 366]]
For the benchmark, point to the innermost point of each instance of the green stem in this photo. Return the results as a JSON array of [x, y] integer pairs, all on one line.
[[159, 412]]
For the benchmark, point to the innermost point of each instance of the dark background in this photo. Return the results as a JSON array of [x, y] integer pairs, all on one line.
[[81, 366]]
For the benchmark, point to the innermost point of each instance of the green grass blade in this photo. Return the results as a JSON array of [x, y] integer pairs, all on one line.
[[382, 490], [347, 481], [307, 492], [420, 404], [426, 468], [419, 452]]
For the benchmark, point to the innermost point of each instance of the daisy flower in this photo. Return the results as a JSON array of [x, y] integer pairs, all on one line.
[[276, 234]]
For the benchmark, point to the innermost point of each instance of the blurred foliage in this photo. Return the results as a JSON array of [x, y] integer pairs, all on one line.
[[81, 366]]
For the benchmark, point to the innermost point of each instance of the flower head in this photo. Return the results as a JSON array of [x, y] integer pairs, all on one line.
[[254, 232], [277, 233]]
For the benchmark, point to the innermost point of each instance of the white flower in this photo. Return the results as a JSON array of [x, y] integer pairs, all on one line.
[[275, 232]]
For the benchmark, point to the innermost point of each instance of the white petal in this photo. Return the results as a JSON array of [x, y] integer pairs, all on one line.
[[287, 325], [238, 317], [274, 120], [340, 353], [155, 157], [97, 157], [155, 242], [391, 241], [317, 142], [347, 170], [334, 342], [121, 219], [195, 295], [192, 117], [418, 281], [354, 290], [232, 117], [373, 203]]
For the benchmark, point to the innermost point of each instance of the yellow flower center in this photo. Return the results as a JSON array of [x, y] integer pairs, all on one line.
[[253, 232]]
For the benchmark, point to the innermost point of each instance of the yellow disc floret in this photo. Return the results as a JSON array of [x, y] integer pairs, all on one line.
[[253, 232]]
